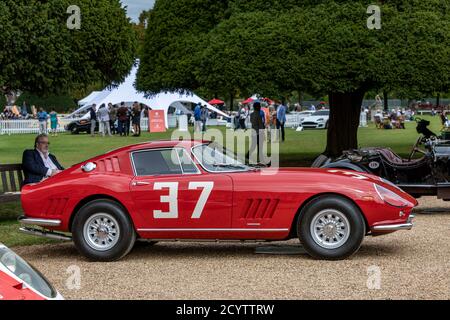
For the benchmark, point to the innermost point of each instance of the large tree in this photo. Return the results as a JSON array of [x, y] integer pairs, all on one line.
[[41, 55], [320, 47]]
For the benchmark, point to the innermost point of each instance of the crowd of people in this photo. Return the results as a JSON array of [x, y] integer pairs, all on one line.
[[394, 119], [116, 119], [273, 119], [14, 112]]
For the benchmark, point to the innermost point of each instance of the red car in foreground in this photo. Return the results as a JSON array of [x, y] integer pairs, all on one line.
[[20, 281], [196, 190]]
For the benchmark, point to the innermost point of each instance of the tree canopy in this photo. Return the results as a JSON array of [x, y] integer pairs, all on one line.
[[321, 47], [41, 55]]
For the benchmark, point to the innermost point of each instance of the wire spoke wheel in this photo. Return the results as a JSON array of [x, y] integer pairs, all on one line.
[[330, 229], [101, 232]]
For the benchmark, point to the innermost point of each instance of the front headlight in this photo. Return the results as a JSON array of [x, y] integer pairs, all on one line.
[[390, 197], [320, 120]]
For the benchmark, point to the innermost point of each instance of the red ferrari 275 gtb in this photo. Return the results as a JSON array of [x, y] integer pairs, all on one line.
[[197, 190]]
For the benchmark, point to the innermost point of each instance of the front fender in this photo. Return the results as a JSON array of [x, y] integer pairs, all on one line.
[[346, 164]]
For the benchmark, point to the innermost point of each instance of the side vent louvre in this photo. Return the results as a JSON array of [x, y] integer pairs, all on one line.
[[255, 209], [108, 165], [55, 206]]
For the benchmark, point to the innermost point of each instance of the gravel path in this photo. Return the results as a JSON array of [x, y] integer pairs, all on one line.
[[413, 265]]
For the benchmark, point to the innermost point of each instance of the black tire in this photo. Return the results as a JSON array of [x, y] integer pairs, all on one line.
[[343, 206], [326, 125], [74, 130], [320, 161], [125, 239]]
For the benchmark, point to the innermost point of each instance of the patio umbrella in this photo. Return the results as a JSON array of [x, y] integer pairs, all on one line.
[[248, 101], [216, 101], [269, 101]]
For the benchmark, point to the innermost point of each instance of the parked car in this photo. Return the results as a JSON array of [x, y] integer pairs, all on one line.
[[197, 190], [79, 126], [318, 120], [20, 281], [426, 175]]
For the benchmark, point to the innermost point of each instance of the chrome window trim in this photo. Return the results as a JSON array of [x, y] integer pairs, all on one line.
[[163, 149], [217, 172]]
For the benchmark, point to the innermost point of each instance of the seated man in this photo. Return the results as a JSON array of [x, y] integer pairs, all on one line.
[[39, 164]]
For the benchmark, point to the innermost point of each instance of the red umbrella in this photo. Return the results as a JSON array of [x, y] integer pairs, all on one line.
[[248, 101], [216, 101], [268, 100]]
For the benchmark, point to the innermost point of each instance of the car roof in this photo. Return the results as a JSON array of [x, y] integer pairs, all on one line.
[[160, 144]]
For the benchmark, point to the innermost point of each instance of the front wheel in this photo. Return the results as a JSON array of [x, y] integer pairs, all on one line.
[[331, 228], [102, 231]]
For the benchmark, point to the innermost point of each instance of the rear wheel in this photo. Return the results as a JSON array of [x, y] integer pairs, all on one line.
[[103, 231], [331, 228]]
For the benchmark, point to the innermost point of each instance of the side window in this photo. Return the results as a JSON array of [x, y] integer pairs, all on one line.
[[186, 162], [156, 162]]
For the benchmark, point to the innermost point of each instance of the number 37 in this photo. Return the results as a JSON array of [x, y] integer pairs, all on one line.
[[172, 199]]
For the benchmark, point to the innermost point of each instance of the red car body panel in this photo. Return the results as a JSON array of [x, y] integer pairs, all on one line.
[[242, 205]]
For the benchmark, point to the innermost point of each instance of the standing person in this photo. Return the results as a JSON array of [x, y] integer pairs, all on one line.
[[122, 118], [24, 111], [128, 122], [112, 117], [281, 120], [54, 122], [256, 119], [198, 118], [204, 117], [93, 114], [42, 118], [243, 114], [272, 123], [136, 119], [103, 119]]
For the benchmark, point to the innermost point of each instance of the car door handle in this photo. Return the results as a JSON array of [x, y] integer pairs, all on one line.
[[141, 183]]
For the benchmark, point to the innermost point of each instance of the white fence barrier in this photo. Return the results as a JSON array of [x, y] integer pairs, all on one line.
[[9, 127], [28, 126]]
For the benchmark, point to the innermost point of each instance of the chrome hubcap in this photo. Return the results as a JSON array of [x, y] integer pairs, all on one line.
[[330, 229], [101, 232]]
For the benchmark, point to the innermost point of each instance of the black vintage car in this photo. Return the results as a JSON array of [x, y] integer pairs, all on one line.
[[427, 175], [79, 126]]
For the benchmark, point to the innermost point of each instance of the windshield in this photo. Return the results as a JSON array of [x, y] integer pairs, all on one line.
[[321, 113], [215, 158], [22, 270]]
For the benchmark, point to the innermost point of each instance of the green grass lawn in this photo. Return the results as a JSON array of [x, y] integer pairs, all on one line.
[[300, 149]]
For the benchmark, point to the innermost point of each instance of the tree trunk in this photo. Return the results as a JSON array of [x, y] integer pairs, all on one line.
[[438, 101], [231, 101], [386, 101], [345, 110]]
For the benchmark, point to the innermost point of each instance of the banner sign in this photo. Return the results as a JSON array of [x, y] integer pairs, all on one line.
[[156, 121]]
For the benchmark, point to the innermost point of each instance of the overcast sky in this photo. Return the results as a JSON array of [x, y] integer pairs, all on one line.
[[135, 7]]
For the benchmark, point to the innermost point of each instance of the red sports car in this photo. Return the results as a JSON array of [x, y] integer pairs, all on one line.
[[20, 281], [197, 190]]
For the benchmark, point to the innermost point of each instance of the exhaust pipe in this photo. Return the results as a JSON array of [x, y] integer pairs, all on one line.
[[45, 234]]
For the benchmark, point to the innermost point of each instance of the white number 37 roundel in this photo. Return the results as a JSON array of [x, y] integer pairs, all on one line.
[[172, 198]]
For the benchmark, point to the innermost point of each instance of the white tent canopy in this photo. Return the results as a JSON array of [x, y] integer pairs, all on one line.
[[89, 98], [126, 92]]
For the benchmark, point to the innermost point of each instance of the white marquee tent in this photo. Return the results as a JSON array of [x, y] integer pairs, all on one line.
[[126, 92]]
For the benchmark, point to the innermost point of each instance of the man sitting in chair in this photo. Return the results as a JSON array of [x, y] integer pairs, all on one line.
[[39, 164]]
